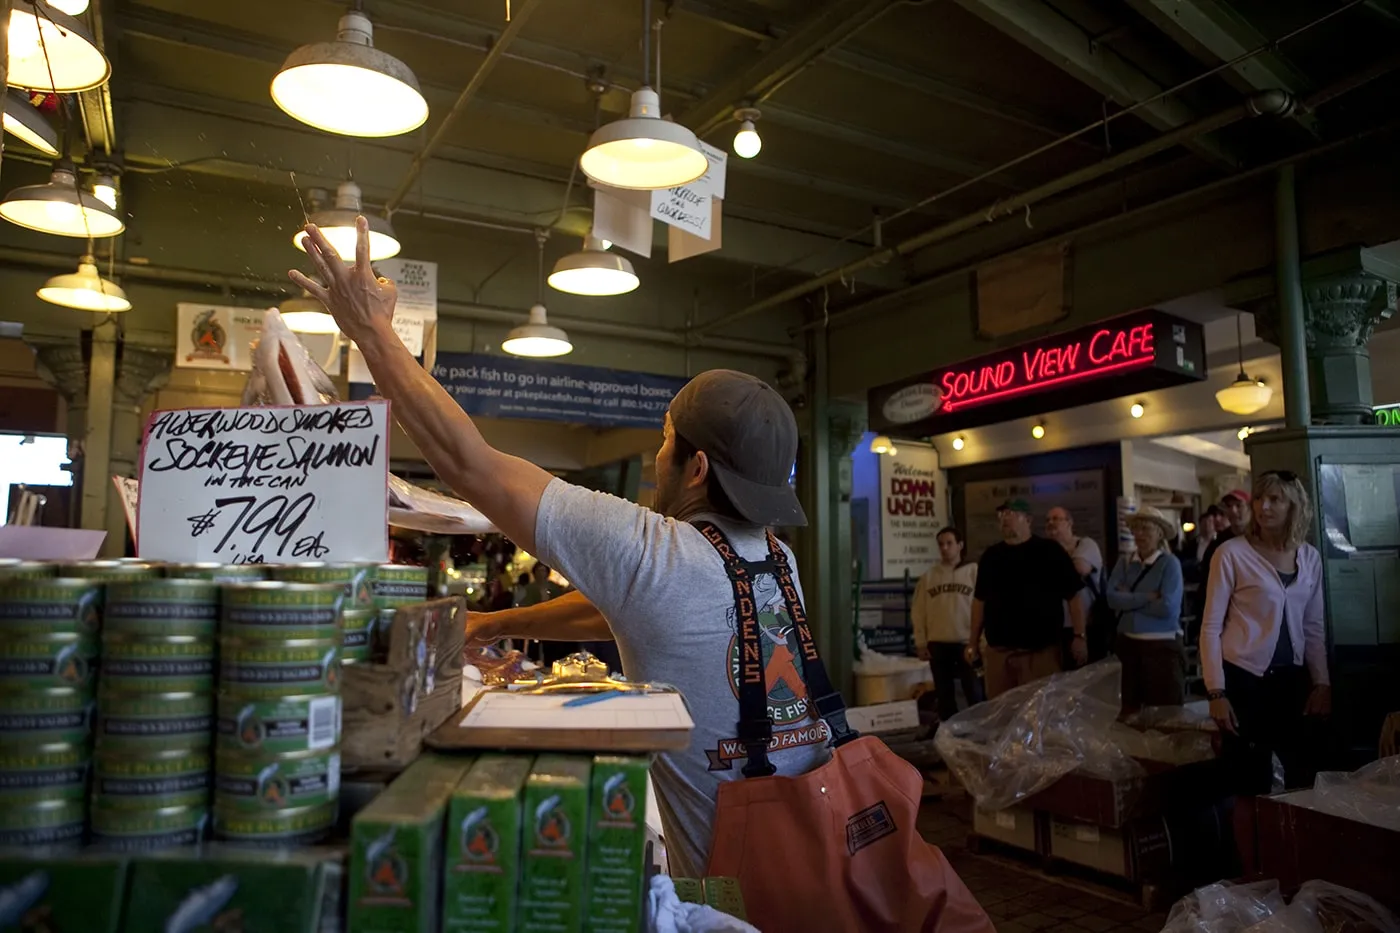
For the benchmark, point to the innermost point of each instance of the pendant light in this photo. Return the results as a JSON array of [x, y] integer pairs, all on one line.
[[52, 51], [1244, 396], [536, 337], [71, 7], [337, 224], [881, 444], [306, 315], [593, 271], [643, 152], [85, 290], [747, 142], [350, 87], [27, 124], [60, 207]]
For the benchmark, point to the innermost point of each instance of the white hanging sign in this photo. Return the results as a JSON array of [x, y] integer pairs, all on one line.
[[265, 485], [911, 510], [691, 207], [416, 281]]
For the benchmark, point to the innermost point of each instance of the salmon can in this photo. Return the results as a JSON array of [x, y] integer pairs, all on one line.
[[140, 722], [165, 777], [49, 605], [278, 726], [277, 828], [399, 585], [355, 578], [162, 607], [60, 659], [13, 569], [297, 667], [46, 715], [147, 829], [261, 783], [158, 663], [42, 772], [357, 633], [47, 822], [106, 570], [273, 609], [217, 572]]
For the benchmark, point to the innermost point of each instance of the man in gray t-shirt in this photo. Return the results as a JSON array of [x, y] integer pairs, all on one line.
[[645, 577]]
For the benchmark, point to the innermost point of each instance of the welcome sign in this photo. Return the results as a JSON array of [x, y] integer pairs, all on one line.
[[1136, 353]]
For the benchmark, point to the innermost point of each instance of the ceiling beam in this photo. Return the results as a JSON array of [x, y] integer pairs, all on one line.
[[1213, 32], [833, 23], [1038, 27]]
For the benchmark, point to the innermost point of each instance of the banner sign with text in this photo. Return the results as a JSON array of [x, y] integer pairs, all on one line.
[[509, 387], [911, 510], [265, 485]]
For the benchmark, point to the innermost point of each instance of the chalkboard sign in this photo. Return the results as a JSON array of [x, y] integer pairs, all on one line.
[[266, 485]]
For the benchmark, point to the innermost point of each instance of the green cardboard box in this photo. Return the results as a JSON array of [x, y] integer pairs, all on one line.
[[223, 887], [75, 894], [483, 846], [617, 832], [396, 849], [553, 846]]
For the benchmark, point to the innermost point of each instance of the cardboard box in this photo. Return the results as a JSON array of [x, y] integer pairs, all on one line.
[[554, 841], [396, 849], [884, 717], [615, 870], [1088, 798], [483, 846], [80, 893], [1297, 844], [224, 887], [1013, 826], [1138, 852]]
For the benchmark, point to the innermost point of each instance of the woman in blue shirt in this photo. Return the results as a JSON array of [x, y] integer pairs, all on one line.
[[1145, 589]]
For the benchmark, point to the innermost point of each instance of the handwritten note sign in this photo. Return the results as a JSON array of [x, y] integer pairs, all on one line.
[[266, 485], [690, 207]]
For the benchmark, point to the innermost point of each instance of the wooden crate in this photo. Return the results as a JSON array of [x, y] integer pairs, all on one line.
[[390, 707]]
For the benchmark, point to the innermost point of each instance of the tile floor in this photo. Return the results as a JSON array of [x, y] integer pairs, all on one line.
[[1019, 897]]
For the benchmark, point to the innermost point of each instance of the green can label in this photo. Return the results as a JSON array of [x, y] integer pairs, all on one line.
[[110, 570], [47, 606], [44, 772], [298, 826], [136, 830], [357, 634], [162, 607], [157, 719], [55, 714], [216, 572], [244, 782], [12, 569], [164, 664], [264, 669], [274, 609], [165, 778], [399, 585], [63, 659], [43, 823], [280, 725], [355, 578]]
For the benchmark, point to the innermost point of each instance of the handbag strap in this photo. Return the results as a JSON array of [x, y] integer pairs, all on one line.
[[755, 727]]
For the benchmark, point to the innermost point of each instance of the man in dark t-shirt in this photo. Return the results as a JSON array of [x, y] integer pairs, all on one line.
[[1024, 584]]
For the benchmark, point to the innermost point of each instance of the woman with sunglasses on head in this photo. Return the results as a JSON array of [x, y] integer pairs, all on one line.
[[1263, 646]]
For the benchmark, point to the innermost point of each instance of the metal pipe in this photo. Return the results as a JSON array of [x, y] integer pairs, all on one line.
[[517, 22], [1262, 103], [1288, 271]]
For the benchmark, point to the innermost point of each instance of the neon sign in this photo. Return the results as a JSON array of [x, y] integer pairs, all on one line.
[[1388, 416], [1138, 352], [1106, 350]]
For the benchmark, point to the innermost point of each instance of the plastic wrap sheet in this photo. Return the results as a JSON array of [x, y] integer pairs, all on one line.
[[1369, 795], [1318, 907], [1178, 748], [1023, 741]]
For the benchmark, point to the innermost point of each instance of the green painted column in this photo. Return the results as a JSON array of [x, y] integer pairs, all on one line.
[[60, 363], [140, 370]]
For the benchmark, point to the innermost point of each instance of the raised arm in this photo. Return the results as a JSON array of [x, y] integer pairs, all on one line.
[[571, 617], [506, 489]]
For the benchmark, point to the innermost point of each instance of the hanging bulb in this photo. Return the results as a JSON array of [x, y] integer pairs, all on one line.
[[65, 60], [85, 290], [71, 7], [1038, 431], [105, 190], [337, 225], [959, 443], [537, 338], [747, 142]]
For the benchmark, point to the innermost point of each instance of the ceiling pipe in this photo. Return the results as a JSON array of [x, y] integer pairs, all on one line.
[[1266, 103], [452, 310], [519, 17]]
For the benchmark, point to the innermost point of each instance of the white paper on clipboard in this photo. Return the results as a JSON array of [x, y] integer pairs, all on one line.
[[526, 711]]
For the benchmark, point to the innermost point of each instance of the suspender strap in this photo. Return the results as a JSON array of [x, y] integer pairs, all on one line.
[[755, 728]]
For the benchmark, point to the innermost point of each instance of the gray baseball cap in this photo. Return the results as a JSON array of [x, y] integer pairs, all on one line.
[[748, 433]]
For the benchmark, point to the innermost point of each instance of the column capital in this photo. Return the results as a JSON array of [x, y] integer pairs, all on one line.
[[62, 364], [139, 371]]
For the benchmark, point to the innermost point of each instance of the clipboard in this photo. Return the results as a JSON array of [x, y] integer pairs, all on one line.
[[547, 721]]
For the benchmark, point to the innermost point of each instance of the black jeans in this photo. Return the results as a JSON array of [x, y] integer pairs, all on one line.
[[946, 661], [1269, 709]]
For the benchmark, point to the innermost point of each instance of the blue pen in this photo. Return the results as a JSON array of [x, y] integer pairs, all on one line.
[[592, 698]]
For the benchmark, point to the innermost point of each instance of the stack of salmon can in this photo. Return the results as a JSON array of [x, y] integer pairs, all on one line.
[[219, 573], [110, 571], [394, 585], [358, 616], [48, 658], [155, 714], [277, 754]]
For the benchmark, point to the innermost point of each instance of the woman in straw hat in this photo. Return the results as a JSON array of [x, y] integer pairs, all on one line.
[[1145, 589]]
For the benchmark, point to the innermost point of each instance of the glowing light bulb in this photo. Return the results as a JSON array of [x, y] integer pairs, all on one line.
[[105, 193], [1137, 410], [747, 142], [1038, 431], [958, 443]]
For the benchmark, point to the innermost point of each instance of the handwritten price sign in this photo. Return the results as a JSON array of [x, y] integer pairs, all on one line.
[[265, 485]]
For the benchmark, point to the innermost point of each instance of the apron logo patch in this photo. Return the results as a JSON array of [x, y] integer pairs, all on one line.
[[869, 825]]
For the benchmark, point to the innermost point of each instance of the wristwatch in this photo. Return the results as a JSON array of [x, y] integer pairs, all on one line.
[[1215, 694]]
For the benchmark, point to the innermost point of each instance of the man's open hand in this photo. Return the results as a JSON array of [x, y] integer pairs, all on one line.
[[359, 302]]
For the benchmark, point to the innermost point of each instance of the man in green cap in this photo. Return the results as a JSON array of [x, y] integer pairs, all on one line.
[[1024, 584]]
